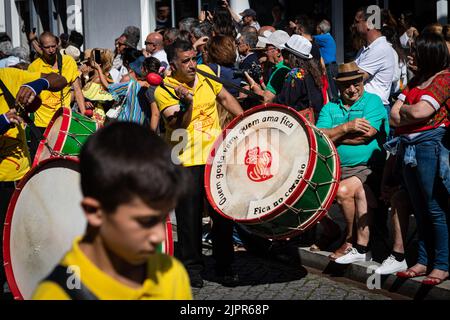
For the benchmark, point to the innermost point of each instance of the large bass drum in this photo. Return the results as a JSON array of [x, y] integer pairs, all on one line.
[[43, 218], [272, 171]]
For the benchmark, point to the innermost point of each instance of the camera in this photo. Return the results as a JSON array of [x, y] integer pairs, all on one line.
[[255, 72]]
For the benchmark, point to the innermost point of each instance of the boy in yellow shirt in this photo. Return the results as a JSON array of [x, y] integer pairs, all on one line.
[[129, 186]]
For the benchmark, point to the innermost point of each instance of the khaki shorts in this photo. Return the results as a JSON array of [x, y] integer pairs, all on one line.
[[361, 172]]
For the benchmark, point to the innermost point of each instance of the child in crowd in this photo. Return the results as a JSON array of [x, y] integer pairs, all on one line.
[[129, 186]]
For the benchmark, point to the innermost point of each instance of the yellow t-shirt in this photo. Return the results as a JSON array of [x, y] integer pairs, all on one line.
[[51, 101], [167, 279], [14, 156], [194, 143]]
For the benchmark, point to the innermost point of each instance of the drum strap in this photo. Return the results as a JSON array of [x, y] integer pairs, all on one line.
[[11, 101], [62, 277], [59, 59]]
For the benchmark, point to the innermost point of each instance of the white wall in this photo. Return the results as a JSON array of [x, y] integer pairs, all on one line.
[[2, 16], [105, 20]]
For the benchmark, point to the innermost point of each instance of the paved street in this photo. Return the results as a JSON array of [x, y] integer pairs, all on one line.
[[270, 279]]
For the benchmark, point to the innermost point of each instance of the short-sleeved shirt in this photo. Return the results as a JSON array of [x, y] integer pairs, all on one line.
[[370, 107], [14, 156], [327, 47], [276, 80], [51, 101], [437, 94], [166, 279], [198, 138], [378, 61]]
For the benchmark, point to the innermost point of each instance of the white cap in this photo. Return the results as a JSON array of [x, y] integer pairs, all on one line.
[[277, 38]]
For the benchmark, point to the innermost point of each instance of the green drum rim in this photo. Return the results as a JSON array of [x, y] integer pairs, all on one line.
[[74, 137], [311, 206]]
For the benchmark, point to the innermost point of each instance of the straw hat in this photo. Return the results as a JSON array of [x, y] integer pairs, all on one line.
[[348, 71]]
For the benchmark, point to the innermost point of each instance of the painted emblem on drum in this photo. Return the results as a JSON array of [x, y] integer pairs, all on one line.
[[259, 164]]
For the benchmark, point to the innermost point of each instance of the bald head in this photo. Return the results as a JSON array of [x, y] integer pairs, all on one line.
[[154, 42], [265, 28]]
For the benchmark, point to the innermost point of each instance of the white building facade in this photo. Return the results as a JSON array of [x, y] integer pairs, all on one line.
[[102, 21]]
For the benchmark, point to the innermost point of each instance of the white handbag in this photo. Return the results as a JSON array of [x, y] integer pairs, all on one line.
[[115, 110]]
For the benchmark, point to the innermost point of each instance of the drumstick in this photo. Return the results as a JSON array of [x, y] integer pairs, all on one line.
[[155, 79]]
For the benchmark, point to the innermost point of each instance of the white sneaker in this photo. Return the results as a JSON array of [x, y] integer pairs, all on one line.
[[354, 256], [391, 265]]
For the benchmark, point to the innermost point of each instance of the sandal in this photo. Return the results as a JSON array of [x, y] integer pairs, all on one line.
[[343, 250], [433, 281], [407, 274]]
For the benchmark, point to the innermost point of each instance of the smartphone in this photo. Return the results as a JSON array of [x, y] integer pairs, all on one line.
[[97, 57], [205, 7]]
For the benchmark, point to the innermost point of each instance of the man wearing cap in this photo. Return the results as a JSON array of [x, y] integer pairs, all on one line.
[[248, 17], [358, 125], [274, 42]]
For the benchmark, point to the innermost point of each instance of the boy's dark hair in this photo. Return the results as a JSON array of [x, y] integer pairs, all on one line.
[[178, 45], [151, 64], [123, 161]]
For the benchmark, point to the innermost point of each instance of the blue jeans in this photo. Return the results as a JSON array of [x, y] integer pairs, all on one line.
[[429, 198]]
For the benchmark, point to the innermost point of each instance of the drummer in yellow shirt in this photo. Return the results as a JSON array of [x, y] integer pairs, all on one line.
[[52, 101], [14, 158], [126, 210], [190, 114]]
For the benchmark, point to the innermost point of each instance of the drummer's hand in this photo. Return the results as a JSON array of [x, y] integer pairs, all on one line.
[[12, 117], [184, 94], [358, 125], [25, 96], [89, 105], [251, 82]]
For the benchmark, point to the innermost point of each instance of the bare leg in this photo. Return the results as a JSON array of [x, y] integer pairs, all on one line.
[[363, 215], [401, 209], [346, 199]]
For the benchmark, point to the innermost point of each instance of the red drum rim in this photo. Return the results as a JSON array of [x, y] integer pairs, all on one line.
[[65, 124], [8, 224], [300, 188], [168, 244]]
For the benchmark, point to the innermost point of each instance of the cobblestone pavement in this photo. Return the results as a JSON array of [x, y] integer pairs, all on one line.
[[270, 279]]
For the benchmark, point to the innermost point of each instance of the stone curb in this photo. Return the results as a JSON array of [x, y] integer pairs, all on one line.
[[363, 272]]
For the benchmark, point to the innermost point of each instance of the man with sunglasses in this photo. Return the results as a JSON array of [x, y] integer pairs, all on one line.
[[154, 47], [192, 126]]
